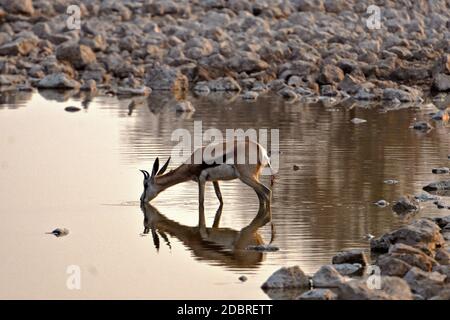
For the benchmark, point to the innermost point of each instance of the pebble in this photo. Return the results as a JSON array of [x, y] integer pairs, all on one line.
[[59, 232], [72, 109], [358, 120]]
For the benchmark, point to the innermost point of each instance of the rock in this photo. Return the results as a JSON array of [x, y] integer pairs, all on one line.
[[406, 204], [184, 106], [421, 232], [422, 126], [224, 84], [442, 170], [442, 256], [166, 78], [18, 6], [287, 277], [330, 74], [381, 203], [72, 109], [327, 277], [247, 62], [391, 288], [439, 185], [358, 120], [441, 82], [142, 91], [442, 222], [348, 269], [243, 278], [391, 181], [250, 95], [391, 266], [288, 94], [59, 232], [58, 81], [412, 256], [427, 284], [441, 115], [318, 294], [296, 167], [20, 46], [424, 197], [443, 269], [77, 54], [351, 256], [443, 295], [405, 94]]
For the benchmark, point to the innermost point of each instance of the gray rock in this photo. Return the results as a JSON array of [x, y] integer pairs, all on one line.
[[405, 94], [441, 82], [422, 126], [166, 78], [439, 185], [442, 256], [391, 266], [89, 85], [287, 277], [392, 288], [58, 81], [330, 74], [327, 277], [351, 256], [223, 84], [406, 204], [427, 284], [77, 54], [18, 6], [442, 170], [348, 269], [421, 232], [381, 203], [318, 294], [20, 46]]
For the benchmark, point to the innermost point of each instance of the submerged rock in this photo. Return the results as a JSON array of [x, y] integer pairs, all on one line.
[[406, 204], [72, 109], [287, 277], [381, 203], [184, 106], [442, 170], [422, 126], [318, 294], [439, 185], [59, 232], [358, 120]]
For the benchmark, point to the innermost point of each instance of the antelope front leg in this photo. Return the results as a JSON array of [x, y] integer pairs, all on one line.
[[218, 193], [201, 207]]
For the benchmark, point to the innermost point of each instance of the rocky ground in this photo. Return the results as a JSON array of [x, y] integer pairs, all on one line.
[[413, 264], [297, 48]]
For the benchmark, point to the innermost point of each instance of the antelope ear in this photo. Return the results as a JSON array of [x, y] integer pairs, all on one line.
[[164, 167], [155, 167]]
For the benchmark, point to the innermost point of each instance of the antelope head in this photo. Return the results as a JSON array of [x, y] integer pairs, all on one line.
[[151, 189]]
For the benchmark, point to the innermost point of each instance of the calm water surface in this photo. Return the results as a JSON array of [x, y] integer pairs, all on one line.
[[80, 171]]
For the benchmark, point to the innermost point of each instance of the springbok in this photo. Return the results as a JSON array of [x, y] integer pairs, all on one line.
[[214, 170]]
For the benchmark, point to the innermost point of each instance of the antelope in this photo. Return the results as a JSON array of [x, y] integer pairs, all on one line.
[[213, 170]]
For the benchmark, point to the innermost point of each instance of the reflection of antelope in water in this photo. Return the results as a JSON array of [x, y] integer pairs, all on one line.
[[223, 246]]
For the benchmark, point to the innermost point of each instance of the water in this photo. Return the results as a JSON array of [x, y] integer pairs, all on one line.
[[80, 171]]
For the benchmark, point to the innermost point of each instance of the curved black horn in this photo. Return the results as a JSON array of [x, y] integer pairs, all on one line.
[[155, 167], [146, 174], [164, 167]]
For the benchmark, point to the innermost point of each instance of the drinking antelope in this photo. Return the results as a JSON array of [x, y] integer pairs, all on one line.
[[215, 171]]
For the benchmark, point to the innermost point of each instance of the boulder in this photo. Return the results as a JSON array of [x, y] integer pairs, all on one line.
[[77, 54], [391, 288], [327, 277], [441, 82], [421, 126], [351, 256], [404, 94], [427, 284], [223, 84], [330, 74], [58, 81], [442, 256], [421, 232], [127, 91], [439, 185], [287, 277], [318, 294], [18, 6], [349, 269], [391, 266], [406, 204], [20, 46], [165, 78]]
